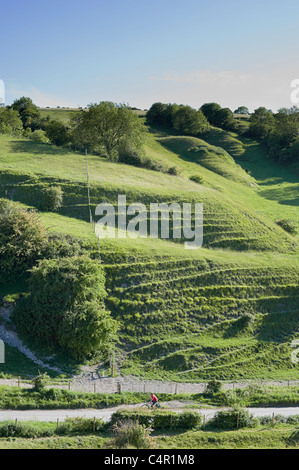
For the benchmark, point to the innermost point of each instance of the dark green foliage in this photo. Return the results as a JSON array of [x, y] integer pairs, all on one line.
[[189, 121], [80, 425], [241, 110], [131, 156], [197, 179], [28, 431], [160, 419], [288, 226], [174, 170], [40, 381], [63, 246], [218, 116], [105, 126], [64, 307], [130, 434], [57, 132], [10, 122], [27, 110], [180, 118], [23, 239], [38, 136], [233, 419], [213, 387], [51, 199], [261, 122]]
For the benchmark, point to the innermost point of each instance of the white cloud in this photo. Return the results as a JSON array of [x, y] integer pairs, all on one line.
[[39, 98], [230, 88]]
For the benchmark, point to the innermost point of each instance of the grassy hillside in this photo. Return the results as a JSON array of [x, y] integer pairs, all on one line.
[[227, 310]]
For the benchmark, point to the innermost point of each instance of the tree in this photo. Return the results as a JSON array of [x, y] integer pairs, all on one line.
[[210, 110], [156, 114], [104, 126], [241, 110], [65, 307], [27, 110], [189, 121], [57, 132], [261, 122], [10, 122], [23, 239], [224, 118]]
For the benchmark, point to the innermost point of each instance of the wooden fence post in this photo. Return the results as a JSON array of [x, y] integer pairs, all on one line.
[[57, 423], [94, 424]]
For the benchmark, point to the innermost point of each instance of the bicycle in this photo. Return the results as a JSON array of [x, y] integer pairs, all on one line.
[[149, 406]]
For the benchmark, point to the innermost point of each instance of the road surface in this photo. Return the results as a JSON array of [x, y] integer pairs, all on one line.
[[106, 413]]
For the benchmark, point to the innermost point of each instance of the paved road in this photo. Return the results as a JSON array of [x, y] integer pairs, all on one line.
[[105, 414]]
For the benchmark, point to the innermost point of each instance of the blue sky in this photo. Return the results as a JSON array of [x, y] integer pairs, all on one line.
[[75, 52]]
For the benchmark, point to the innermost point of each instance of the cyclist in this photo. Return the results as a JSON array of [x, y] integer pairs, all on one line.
[[154, 400]]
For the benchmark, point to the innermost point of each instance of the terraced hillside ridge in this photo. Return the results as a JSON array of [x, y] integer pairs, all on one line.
[[228, 310]]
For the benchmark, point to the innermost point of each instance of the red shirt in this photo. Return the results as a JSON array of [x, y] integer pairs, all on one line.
[[154, 398]]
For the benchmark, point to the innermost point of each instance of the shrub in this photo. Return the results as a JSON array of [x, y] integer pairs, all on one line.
[[131, 434], [160, 419], [233, 419], [65, 306], [29, 431], [63, 246], [81, 425], [212, 387], [174, 170], [51, 198], [40, 381], [38, 136], [197, 179], [23, 238], [288, 226], [130, 156]]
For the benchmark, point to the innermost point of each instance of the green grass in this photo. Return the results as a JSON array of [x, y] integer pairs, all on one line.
[[177, 308], [37, 435], [55, 397]]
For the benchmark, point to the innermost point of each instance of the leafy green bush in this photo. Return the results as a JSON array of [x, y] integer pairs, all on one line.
[[81, 425], [160, 419], [23, 239], [197, 179], [65, 306], [212, 387], [288, 226], [27, 430], [233, 419], [174, 170], [63, 246], [38, 136], [40, 381], [131, 434], [51, 199]]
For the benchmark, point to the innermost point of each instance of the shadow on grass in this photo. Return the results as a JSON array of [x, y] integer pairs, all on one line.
[[26, 146]]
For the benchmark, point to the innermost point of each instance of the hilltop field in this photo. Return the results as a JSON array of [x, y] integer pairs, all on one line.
[[228, 310]]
